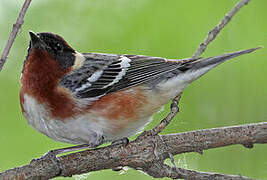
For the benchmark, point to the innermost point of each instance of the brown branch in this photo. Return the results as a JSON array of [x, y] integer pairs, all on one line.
[[146, 153], [14, 32], [216, 30]]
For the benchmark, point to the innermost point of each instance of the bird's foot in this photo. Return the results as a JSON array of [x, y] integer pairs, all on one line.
[[124, 141], [52, 154]]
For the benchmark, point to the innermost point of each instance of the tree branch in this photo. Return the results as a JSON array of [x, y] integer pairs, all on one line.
[[146, 153], [14, 33], [217, 29]]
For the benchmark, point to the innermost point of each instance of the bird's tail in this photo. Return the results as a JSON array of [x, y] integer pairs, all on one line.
[[214, 61], [194, 68], [191, 69]]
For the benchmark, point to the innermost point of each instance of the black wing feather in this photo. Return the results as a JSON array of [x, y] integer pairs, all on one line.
[[141, 70], [104, 71]]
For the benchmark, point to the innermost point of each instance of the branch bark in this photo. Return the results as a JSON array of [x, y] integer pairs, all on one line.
[[149, 150], [146, 153], [14, 32]]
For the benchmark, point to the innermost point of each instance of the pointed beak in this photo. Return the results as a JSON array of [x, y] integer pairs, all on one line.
[[36, 41]]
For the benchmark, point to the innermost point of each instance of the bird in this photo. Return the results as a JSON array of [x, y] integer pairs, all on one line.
[[89, 99]]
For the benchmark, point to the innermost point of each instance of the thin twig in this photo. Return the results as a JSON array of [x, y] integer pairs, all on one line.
[[202, 47], [174, 109], [216, 30], [14, 32], [180, 173]]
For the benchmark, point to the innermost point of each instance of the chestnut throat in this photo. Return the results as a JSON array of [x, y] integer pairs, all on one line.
[[40, 77]]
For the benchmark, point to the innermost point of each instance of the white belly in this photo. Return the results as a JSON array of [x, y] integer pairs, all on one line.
[[76, 130], [85, 129]]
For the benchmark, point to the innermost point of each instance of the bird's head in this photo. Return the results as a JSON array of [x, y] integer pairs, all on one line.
[[49, 59], [53, 45]]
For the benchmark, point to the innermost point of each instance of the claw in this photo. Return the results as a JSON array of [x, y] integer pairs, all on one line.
[[124, 141]]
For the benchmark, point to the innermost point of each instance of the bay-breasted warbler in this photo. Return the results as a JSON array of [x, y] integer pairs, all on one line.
[[92, 98]]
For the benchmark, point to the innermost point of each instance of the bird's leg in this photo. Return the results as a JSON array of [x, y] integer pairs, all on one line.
[[52, 154], [94, 142], [55, 152], [124, 141]]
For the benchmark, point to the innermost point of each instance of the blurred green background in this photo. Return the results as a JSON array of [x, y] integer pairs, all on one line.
[[233, 93]]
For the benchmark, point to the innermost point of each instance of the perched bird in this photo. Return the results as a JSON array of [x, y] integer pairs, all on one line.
[[92, 98]]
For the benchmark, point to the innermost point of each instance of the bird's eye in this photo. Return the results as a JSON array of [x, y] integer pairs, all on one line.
[[58, 47]]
